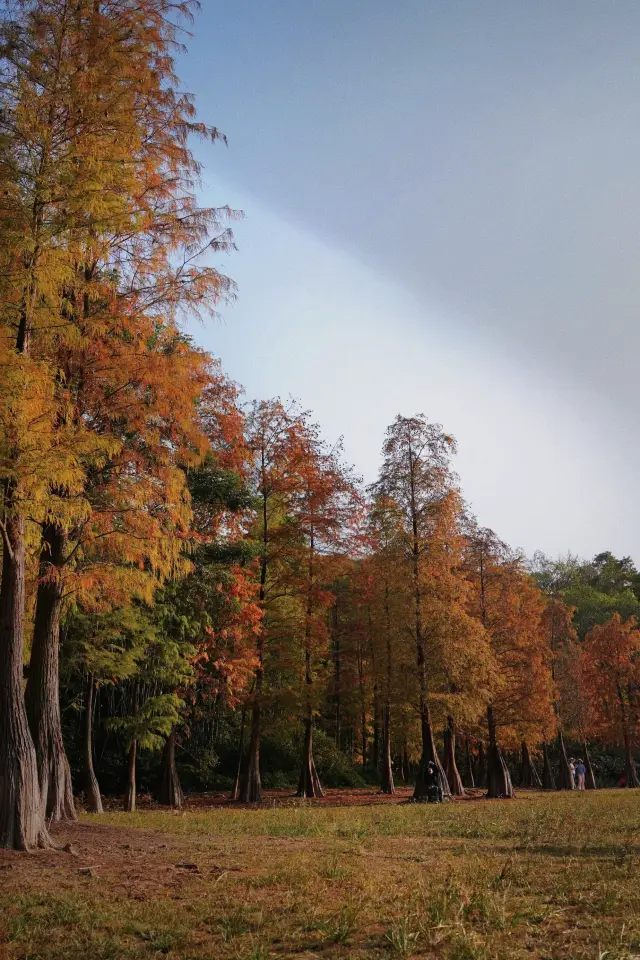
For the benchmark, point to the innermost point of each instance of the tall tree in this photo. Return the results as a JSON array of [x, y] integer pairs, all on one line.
[[416, 475], [275, 435], [100, 229], [506, 601], [324, 512], [611, 671]]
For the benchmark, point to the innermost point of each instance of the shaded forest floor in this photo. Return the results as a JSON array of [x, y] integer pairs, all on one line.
[[546, 876]]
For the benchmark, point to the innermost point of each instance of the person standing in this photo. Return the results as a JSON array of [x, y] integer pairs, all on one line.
[[580, 773], [572, 773]]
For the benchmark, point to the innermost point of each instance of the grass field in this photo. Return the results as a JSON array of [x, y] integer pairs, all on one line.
[[540, 876]]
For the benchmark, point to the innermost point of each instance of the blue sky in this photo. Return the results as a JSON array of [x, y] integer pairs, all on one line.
[[442, 215]]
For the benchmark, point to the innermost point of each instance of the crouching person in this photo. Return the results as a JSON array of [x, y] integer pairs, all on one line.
[[432, 783]]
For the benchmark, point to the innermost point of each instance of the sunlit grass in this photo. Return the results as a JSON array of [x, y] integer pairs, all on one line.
[[542, 876]]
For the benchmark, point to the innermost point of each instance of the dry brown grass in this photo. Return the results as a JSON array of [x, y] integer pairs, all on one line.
[[541, 876]]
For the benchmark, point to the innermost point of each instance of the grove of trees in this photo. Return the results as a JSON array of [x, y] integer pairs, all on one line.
[[197, 590]]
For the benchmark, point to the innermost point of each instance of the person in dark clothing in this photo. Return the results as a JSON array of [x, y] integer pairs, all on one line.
[[432, 783]]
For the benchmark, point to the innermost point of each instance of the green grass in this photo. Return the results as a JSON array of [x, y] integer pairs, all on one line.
[[542, 876]]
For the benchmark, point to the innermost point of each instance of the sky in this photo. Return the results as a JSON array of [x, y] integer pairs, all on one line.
[[442, 215]]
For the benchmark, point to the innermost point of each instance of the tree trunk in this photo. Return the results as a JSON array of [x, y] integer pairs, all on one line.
[[449, 759], [429, 755], [528, 774], [589, 779], [42, 696], [375, 746], [565, 780], [91, 787], [130, 796], [481, 766], [386, 770], [337, 679], [251, 786], [468, 779], [309, 783], [630, 771], [406, 766], [498, 777], [235, 793], [548, 780], [170, 791], [22, 814]]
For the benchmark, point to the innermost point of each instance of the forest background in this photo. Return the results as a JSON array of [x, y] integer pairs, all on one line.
[[198, 592]]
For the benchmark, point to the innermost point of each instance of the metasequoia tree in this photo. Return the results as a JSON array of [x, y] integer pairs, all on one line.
[[102, 232], [611, 670], [416, 476], [557, 622], [505, 600], [385, 569], [324, 512], [275, 438]]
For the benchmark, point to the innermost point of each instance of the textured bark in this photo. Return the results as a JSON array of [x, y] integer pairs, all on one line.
[[529, 776], [481, 766], [589, 777], [548, 780], [42, 696], [386, 770], [170, 791], [309, 783], [630, 771], [91, 787], [22, 815], [565, 780], [429, 755], [498, 777], [449, 759]]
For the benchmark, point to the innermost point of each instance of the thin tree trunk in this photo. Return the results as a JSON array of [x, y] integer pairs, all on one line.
[[406, 766], [375, 745], [529, 776], [170, 792], [548, 780], [251, 784], [91, 787], [498, 777], [565, 780], [468, 779], [386, 772], [481, 766], [449, 759], [589, 779], [235, 793], [363, 703], [130, 796], [42, 696], [309, 783], [337, 678], [630, 771], [22, 813]]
